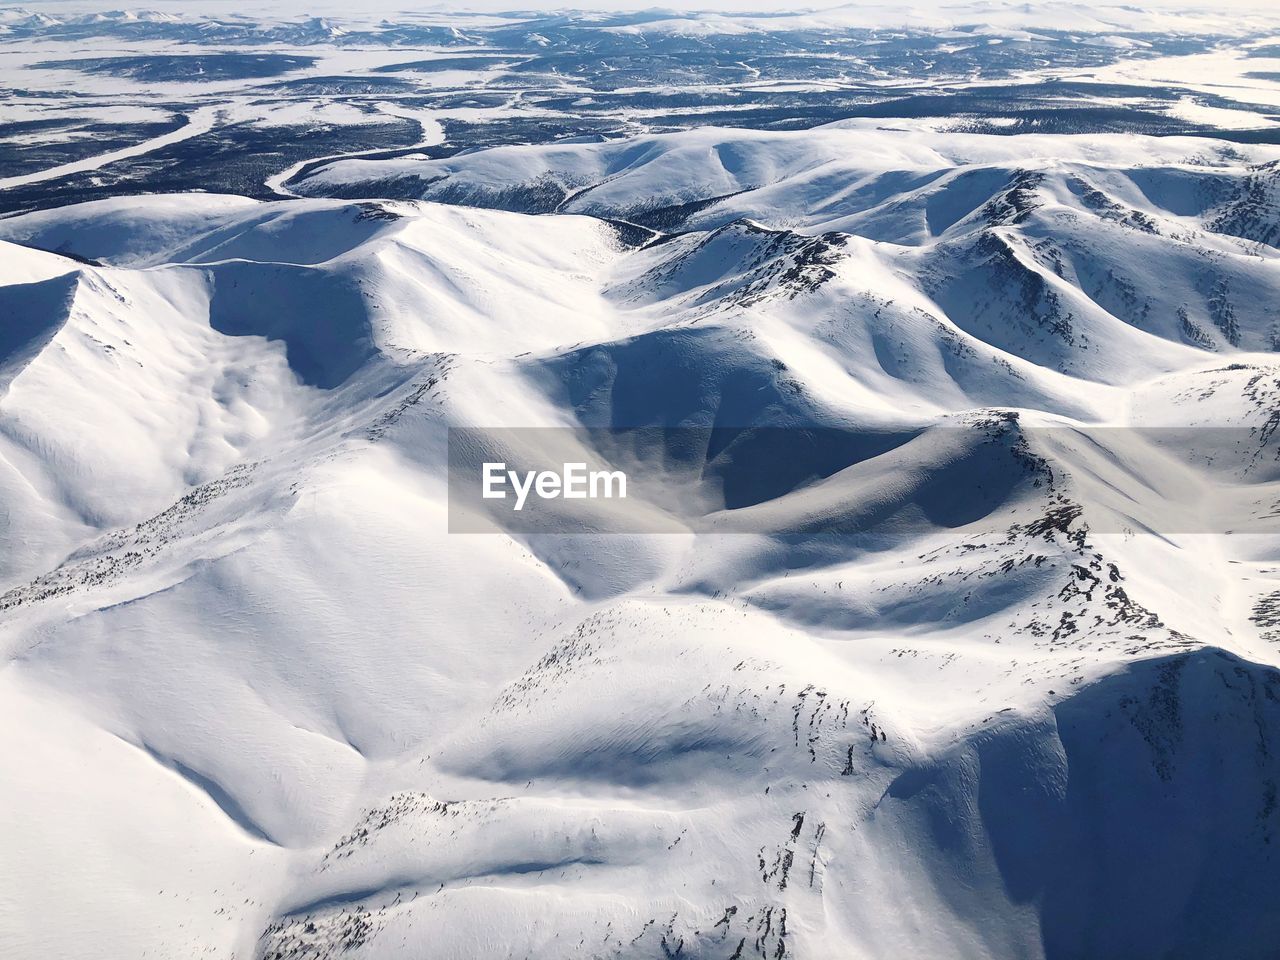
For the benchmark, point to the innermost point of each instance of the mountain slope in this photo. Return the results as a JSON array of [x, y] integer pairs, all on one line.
[[944, 641]]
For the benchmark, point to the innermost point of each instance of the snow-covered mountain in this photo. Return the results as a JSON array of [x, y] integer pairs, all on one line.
[[989, 671]]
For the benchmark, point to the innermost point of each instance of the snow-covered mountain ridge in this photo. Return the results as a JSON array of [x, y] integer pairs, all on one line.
[[953, 693]]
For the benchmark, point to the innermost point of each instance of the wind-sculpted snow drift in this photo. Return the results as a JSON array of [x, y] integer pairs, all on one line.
[[952, 686]]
